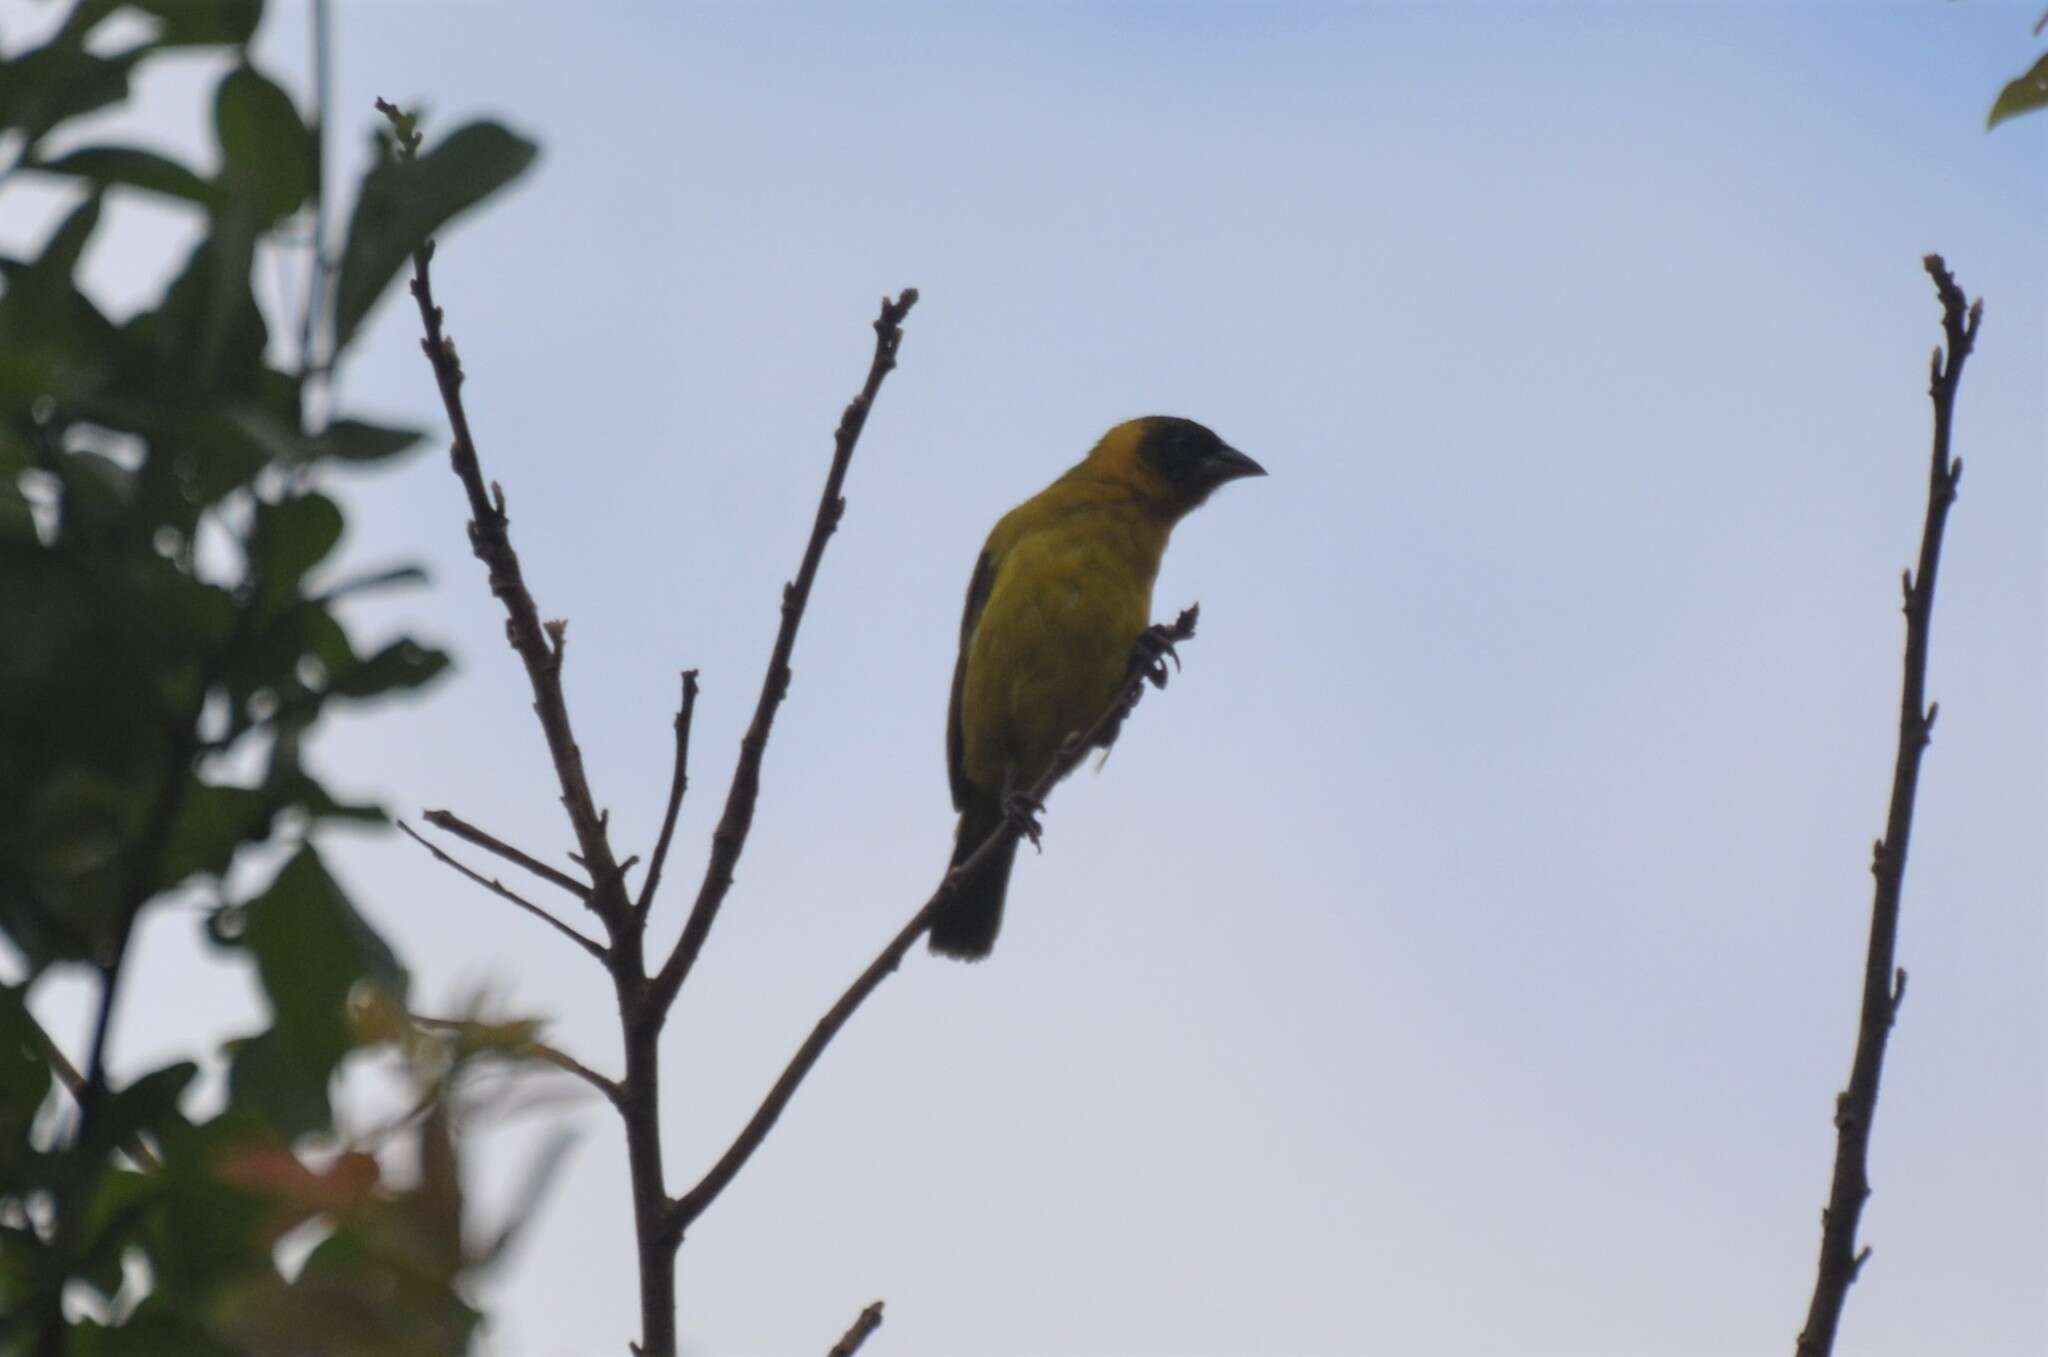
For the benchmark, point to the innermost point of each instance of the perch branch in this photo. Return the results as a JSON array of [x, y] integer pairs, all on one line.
[[738, 817], [1144, 669], [1883, 982], [499, 889]]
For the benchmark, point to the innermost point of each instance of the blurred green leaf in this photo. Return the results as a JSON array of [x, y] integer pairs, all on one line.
[[54, 343], [268, 153], [25, 1077], [2024, 95], [46, 86], [352, 440], [207, 336], [345, 440], [266, 1080], [404, 663], [291, 538], [381, 579], [321, 805], [312, 949], [212, 823], [402, 203], [122, 1199], [142, 1105], [134, 167], [202, 22], [61, 253]]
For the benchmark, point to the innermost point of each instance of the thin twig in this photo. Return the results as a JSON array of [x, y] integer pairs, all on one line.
[[500, 889], [462, 829], [569, 1064], [539, 1050], [1143, 669], [870, 1320], [679, 784], [738, 817], [540, 649], [1884, 985]]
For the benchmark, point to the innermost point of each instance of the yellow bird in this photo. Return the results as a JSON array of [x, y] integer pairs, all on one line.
[[1059, 598]]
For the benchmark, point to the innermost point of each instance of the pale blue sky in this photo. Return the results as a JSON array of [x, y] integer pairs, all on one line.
[[1461, 957]]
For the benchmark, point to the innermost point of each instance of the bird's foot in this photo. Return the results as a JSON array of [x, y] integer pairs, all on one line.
[[1023, 810], [1155, 645]]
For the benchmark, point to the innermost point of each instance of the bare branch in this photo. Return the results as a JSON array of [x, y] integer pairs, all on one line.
[[491, 542], [1144, 668], [498, 888], [870, 1319], [1883, 983], [738, 817], [679, 784], [462, 829]]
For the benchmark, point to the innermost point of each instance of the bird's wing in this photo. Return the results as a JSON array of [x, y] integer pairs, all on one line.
[[977, 595]]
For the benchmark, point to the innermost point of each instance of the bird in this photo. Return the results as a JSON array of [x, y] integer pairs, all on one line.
[[1061, 595]]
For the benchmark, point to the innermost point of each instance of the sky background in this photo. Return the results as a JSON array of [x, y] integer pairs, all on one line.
[[1462, 956]]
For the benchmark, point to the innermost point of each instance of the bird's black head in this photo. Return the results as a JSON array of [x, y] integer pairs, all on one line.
[[1189, 457]]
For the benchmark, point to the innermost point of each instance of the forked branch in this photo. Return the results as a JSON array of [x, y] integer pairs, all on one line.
[[730, 837], [506, 893]]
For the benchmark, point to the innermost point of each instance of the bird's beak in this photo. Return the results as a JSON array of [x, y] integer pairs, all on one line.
[[1228, 464]]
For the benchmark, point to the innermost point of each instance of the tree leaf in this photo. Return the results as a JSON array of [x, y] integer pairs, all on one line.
[[2024, 95], [352, 440], [25, 1077], [212, 823], [186, 23], [143, 1104], [401, 203], [266, 1081], [291, 538], [134, 167], [50, 84], [311, 950], [267, 153], [405, 663], [53, 341], [207, 337]]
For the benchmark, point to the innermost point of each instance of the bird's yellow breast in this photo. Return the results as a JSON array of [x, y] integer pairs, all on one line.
[[1071, 590]]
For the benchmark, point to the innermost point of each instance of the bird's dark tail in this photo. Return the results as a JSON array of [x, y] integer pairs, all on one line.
[[967, 925]]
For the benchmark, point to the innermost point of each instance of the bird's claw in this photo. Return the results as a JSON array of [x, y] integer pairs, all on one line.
[[1023, 810], [1155, 645]]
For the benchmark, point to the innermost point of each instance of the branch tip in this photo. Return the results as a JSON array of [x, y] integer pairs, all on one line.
[[730, 837], [866, 1323]]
